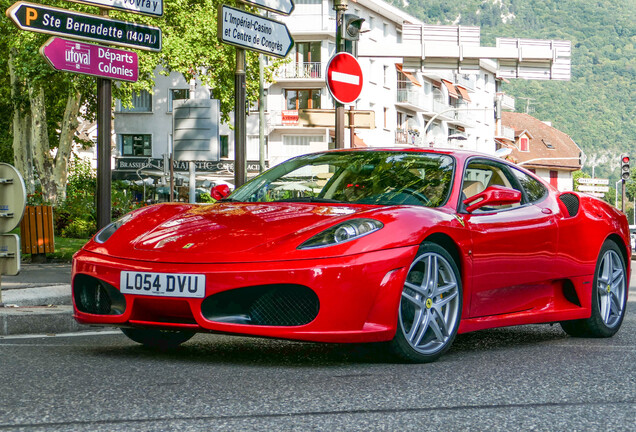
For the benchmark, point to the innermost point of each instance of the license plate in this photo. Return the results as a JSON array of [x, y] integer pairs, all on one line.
[[162, 284]]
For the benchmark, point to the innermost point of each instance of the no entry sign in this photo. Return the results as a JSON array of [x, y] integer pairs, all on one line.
[[344, 78]]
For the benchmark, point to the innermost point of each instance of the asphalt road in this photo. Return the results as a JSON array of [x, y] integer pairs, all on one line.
[[523, 378]]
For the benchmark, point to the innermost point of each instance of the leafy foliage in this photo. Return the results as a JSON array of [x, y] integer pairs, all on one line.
[[76, 216]]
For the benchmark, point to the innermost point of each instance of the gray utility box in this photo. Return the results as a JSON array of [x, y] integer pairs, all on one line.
[[195, 129]]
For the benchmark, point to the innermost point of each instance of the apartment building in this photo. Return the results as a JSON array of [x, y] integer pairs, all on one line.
[[448, 104]]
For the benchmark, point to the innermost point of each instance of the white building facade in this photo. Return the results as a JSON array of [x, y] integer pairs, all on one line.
[[417, 99]]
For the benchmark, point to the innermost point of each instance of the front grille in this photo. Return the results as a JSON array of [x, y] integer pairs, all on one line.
[[571, 203], [270, 305], [96, 297]]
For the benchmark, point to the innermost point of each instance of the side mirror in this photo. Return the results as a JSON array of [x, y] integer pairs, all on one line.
[[492, 196], [220, 191]]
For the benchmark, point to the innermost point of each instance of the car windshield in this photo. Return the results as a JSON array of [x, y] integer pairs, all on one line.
[[367, 177]]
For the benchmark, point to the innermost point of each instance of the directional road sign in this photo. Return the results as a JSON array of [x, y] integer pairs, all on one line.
[[62, 22], [589, 181], [344, 78], [146, 7], [283, 7], [593, 188], [73, 56], [253, 32]]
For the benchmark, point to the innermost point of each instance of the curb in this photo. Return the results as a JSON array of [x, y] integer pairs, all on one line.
[[38, 296], [38, 320]]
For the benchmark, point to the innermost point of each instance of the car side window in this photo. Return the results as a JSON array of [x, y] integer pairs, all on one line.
[[480, 175], [535, 191]]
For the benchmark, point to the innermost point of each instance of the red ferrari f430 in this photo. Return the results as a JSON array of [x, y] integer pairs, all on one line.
[[409, 247]]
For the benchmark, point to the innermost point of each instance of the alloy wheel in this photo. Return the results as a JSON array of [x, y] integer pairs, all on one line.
[[429, 308], [610, 288]]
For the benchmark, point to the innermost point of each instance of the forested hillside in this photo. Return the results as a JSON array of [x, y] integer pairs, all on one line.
[[597, 107]]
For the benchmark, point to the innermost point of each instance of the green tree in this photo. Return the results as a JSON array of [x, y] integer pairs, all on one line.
[[45, 104]]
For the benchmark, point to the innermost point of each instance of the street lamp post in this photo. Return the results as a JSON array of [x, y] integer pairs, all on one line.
[[616, 197], [432, 119]]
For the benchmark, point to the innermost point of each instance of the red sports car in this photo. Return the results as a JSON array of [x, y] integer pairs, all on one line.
[[409, 247]]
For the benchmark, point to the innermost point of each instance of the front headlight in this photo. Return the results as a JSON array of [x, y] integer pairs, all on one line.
[[344, 232], [105, 233]]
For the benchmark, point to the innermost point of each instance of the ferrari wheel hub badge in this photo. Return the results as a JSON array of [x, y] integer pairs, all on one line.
[[429, 303], [609, 288]]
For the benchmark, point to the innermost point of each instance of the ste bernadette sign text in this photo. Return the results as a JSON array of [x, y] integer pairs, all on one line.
[[62, 22]]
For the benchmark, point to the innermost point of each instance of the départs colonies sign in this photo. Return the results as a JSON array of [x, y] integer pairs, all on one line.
[[72, 56]]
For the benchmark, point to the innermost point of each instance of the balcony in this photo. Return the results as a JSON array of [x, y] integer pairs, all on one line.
[[307, 70], [507, 102], [408, 137], [506, 133], [411, 98]]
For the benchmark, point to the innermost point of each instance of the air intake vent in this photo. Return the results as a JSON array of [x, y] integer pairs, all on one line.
[[271, 305], [571, 203], [96, 297]]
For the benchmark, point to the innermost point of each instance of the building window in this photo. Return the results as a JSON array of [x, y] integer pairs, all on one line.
[[141, 102], [307, 61], [136, 145], [302, 99], [386, 118], [307, 52], [386, 75], [372, 72], [224, 146], [524, 145], [385, 29], [554, 178], [177, 94]]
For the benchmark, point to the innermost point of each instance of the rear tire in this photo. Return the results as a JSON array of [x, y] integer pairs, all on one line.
[[609, 295], [430, 308], [155, 338]]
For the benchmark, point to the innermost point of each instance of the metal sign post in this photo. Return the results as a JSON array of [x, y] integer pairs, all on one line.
[[340, 6], [240, 139], [256, 33], [104, 100]]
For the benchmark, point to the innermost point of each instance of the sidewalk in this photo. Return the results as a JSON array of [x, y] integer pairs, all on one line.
[[37, 301]]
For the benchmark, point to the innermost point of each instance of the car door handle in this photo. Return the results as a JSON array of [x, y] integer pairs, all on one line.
[[546, 211]]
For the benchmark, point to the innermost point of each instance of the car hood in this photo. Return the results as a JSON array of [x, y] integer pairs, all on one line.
[[241, 232]]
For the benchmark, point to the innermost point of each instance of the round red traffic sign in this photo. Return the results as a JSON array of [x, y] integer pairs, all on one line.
[[344, 78]]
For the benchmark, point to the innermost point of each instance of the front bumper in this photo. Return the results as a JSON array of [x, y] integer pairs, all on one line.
[[358, 295]]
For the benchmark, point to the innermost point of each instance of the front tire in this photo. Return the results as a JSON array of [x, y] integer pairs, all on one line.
[[609, 294], [430, 307], [155, 338]]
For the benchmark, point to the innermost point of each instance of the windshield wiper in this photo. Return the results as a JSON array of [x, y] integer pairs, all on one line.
[[309, 199]]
